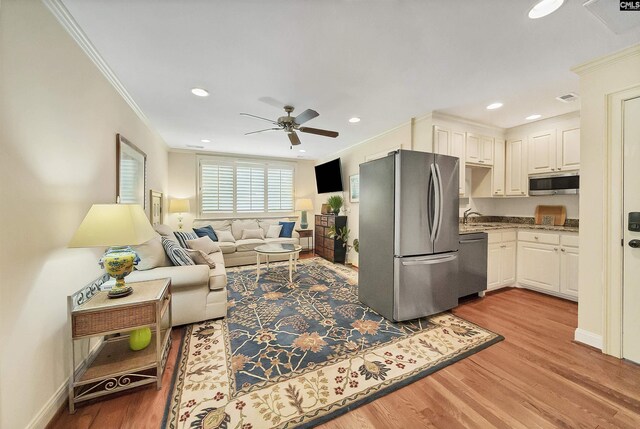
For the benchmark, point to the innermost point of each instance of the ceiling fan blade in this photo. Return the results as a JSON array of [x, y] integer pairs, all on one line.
[[305, 116], [319, 132], [259, 117], [293, 138], [262, 131]]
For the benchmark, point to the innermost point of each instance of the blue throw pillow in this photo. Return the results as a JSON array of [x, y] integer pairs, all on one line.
[[206, 231], [287, 229]]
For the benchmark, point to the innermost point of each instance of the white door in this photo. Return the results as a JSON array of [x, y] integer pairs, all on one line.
[[493, 265], [631, 196], [508, 263], [539, 266], [486, 150], [441, 140], [569, 270], [498, 169], [542, 152], [569, 149], [516, 166], [457, 149], [473, 151]]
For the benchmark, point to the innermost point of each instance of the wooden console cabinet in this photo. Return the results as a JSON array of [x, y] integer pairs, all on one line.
[[331, 249]]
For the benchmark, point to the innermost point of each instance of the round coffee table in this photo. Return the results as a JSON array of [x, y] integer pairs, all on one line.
[[293, 250]]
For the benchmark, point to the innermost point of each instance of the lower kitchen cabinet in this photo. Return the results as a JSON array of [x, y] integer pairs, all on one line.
[[501, 259], [548, 262]]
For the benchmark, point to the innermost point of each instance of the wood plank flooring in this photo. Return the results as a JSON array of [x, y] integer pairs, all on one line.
[[537, 378]]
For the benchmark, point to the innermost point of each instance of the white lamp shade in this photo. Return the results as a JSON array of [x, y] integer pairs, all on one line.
[[304, 204], [179, 206], [107, 225]]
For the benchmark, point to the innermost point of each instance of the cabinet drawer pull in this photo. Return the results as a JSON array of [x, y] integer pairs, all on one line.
[[536, 237], [562, 250], [555, 249], [522, 192]]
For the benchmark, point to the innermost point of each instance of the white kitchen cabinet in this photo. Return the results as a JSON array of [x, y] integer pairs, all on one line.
[[473, 149], [548, 262], [497, 179], [516, 177], [568, 149], [542, 152], [447, 142], [569, 256], [486, 150], [501, 259]]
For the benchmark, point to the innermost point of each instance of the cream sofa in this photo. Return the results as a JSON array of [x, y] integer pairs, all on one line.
[[199, 292], [241, 252]]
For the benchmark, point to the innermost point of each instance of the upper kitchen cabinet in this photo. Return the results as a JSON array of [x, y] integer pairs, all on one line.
[[452, 143], [516, 176], [497, 180], [479, 149], [568, 149], [542, 152]]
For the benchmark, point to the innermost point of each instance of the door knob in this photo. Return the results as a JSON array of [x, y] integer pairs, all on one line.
[[634, 243]]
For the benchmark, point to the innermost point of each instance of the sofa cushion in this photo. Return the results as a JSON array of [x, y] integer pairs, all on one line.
[[287, 229], [152, 254], [204, 244], [274, 231], [183, 236], [225, 237], [222, 225], [239, 225], [201, 258], [248, 244], [206, 231], [217, 275], [227, 247], [257, 233], [192, 275], [164, 230], [282, 240], [177, 254]]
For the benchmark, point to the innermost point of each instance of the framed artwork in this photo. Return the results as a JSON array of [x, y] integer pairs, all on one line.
[[131, 173], [354, 188], [156, 213], [325, 209]]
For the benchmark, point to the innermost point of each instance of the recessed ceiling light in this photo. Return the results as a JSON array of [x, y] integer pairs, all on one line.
[[532, 117], [195, 146], [302, 150], [494, 106], [205, 141], [200, 92], [544, 8], [354, 120]]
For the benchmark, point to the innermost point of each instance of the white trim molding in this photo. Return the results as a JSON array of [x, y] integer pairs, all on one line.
[[588, 338], [607, 60], [67, 21], [51, 408]]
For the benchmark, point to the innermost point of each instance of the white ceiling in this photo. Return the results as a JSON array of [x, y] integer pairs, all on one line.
[[382, 60]]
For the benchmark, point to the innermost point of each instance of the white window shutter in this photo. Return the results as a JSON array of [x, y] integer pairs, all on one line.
[[280, 189], [216, 188], [249, 189]]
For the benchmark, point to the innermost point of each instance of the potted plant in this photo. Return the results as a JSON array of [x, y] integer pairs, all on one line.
[[335, 202], [342, 234]]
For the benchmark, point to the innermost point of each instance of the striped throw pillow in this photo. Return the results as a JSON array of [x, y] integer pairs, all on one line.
[[183, 237], [177, 254]]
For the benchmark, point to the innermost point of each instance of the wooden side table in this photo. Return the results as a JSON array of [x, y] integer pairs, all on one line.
[[113, 366], [308, 234]]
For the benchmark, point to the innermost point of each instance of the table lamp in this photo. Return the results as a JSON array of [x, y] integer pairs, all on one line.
[[116, 226], [304, 204], [179, 206]]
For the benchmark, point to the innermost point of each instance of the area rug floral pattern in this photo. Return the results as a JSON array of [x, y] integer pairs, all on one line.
[[297, 354]]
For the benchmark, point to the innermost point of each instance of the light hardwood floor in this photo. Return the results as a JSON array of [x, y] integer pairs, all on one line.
[[536, 378]]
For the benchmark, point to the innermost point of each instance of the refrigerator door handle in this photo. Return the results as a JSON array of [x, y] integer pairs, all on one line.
[[434, 209], [430, 211], [472, 241], [429, 261], [439, 201]]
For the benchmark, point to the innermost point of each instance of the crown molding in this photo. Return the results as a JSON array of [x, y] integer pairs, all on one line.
[[67, 21], [607, 60]]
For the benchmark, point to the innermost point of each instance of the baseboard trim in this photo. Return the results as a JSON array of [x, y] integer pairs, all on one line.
[[588, 338], [50, 409]]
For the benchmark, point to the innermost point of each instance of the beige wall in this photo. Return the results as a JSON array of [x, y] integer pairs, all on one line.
[[596, 83], [58, 120], [183, 170]]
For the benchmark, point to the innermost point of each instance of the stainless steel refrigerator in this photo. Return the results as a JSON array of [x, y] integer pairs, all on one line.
[[408, 233]]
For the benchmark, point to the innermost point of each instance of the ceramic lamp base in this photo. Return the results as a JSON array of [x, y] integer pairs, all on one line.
[[118, 262], [303, 220], [119, 292]]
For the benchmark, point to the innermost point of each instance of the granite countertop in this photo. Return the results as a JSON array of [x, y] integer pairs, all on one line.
[[491, 226]]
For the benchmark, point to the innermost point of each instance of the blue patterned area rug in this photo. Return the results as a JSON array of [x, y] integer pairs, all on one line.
[[298, 354]]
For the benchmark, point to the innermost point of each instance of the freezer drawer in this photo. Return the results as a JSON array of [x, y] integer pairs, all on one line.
[[425, 285]]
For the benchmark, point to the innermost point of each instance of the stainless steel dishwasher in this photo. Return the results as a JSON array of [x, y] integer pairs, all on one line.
[[472, 255]]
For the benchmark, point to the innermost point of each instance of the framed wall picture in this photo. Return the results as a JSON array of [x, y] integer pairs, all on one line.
[[156, 212], [131, 173], [354, 188]]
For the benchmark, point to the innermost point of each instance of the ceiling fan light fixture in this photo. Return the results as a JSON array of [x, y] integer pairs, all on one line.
[[200, 92], [354, 120], [544, 8]]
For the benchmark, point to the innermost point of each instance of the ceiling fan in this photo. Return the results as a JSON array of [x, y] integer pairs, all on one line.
[[291, 124]]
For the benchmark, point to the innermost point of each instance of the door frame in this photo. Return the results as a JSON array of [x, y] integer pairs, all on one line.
[[614, 221]]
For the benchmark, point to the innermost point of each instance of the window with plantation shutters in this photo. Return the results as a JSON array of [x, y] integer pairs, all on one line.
[[237, 186], [216, 188], [280, 189]]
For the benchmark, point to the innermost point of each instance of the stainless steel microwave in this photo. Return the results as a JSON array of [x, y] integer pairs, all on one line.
[[555, 184]]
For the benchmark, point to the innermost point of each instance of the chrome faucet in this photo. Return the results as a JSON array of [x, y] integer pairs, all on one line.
[[468, 213]]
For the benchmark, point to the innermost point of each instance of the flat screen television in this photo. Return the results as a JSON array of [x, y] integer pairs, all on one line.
[[329, 177]]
